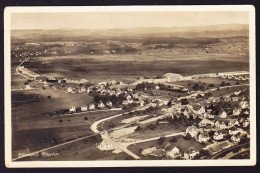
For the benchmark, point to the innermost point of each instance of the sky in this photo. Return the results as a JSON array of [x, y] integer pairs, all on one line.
[[107, 20]]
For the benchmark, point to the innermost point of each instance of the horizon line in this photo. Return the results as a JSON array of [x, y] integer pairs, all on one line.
[[71, 28]]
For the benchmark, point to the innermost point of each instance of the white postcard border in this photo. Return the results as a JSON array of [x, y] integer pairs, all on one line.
[[129, 163]]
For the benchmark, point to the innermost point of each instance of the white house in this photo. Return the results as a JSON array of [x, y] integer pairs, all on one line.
[[70, 89], [205, 122], [173, 153], [246, 123], [157, 87], [109, 104], [235, 139], [28, 86], [141, 103], [192, 130], [244, 105], [236, 111], [218, 136], [72, 109], [91, 107], [223, 115], [201, 110], [101, 105], [235, 99], [189, 156], [84, 108], [237, 93], [203, 137]]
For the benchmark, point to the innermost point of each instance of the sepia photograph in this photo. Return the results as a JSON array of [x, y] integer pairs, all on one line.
[[130, 86]]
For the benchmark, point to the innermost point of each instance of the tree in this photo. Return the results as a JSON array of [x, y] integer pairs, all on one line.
[[138, 128], [111, 125], [184, 101], [187, 137], [151, 126], [173, 139], [223, 83], [161, 140]]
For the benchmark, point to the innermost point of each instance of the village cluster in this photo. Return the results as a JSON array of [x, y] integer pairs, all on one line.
[[217, 122], [215, 128]]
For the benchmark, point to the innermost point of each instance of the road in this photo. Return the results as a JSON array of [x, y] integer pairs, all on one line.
[[17, 70], [105, 135]]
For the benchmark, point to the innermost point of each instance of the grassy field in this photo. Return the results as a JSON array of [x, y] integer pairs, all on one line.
[[24, 109], [131, 66], [38, 133]]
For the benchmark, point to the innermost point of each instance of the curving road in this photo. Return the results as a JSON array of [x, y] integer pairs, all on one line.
[[17, 70]]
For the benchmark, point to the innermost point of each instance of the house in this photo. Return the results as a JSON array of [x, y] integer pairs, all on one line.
[[203, 137], [128, 97], [201, 110], [82, 89], [237, 93], [233, 123], [190, 156], [141, 103], [88, 90], [227, 99], [186, 114], [192, 130], [224, 125], [246, 112], [157, 87], [235, 99], [206, 122], [223, 114], [101, 105], [91, 107], [172, 77], [130, 101], [83, 108], [109, 104], [234, 131], [236, 112], [185, 90], [244, 105], [175, 152], [28, 86], [218, 135], [236, 138], [153, 152], [210, 116], [72, 109], [70, 90], [246, 123]]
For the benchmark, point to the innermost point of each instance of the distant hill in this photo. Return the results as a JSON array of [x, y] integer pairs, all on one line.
[[69, 34]]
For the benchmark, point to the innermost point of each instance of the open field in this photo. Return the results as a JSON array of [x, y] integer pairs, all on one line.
[[98, 67], [24, 109]]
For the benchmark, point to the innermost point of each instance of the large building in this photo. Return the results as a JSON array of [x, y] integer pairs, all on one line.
[[172, 77]]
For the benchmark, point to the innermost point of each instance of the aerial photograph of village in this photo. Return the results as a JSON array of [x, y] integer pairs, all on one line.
[[130, 86]]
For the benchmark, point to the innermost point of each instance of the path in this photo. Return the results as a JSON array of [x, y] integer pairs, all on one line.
[[17, 70]]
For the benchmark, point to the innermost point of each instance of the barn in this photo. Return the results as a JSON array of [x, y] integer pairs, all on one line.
[[172, 77]]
